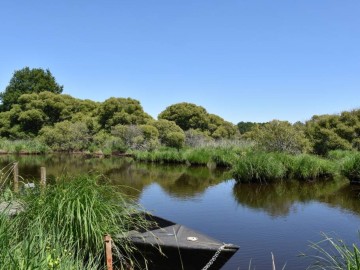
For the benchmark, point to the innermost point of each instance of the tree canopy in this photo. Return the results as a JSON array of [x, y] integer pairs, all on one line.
[[33, 107], [26, 81], [122, 111], [280, 136], [190, 116]]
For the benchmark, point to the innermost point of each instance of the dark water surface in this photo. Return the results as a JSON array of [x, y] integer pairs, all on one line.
[[280, 218]]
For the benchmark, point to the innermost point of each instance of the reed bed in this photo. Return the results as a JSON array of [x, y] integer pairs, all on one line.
[[64, 225], [23, 146], [264, 166], [350, 167], [218, 156], [259, 167]]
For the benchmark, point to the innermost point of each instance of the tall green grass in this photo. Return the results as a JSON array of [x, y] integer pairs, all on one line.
[[64, 225], [218, 156], [350, 167], [264, 166], [258, 167], [23, 146], [310, 167], [334, 254]]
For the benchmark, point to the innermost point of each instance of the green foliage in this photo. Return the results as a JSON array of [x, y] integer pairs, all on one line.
[[280, 136], [36, 110], [170, 134], [66, 136], [334, 132], [190, 116], [260, 167], [24, 146], [123, 111], [309, 167], [221, 156], [25, 81], [63, 226], [161, 155], [194, 138], [351, 166], [143, 137], [186, 116], [244, 127]]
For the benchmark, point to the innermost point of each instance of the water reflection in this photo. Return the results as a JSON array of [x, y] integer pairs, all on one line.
[[277, 199], [184, 182], [178, 181]]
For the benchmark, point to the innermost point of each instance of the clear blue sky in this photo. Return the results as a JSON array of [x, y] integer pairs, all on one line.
[[248, 60]]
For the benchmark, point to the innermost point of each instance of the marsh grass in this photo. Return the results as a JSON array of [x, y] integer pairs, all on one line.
[[23, 146], [63, 226], [310, 167], [334, 254], [219, 156], [350, 167], [264, 166], [260, 167]]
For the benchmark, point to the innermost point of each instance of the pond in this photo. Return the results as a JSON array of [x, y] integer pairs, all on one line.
[[279, 218]]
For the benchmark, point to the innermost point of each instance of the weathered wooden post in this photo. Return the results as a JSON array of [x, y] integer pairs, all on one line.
[[16, 177], [43, 177], [108, 252]]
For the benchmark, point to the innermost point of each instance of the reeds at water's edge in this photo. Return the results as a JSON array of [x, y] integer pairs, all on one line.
[[63, 226]]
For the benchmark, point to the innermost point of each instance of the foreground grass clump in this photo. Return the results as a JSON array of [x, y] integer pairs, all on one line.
[[263, 166], [63, 226], [334, 254]]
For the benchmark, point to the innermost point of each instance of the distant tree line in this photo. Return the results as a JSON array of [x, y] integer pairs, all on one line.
[[33, 107]]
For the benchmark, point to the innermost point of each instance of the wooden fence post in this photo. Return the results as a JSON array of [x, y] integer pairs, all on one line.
[[43, 177], [108, 252], [16, 177]]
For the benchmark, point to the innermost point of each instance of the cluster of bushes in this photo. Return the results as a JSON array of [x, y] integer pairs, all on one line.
[[32, 106], [319, 135]]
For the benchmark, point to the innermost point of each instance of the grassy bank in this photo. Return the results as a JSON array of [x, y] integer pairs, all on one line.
[[63, 226], [23, 147], [261, 166], [220, 156], [246, 163]]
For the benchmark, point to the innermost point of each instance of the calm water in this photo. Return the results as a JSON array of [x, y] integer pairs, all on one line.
[[261, 219]]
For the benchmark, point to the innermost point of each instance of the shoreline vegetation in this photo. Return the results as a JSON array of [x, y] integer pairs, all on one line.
[[245, 162], [62, 226], [36, 118]]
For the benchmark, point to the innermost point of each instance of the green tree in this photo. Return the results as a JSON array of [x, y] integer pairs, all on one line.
[[280, 136], [26, 81], [66, 136], [123, 111], [36, 110], [334, 132], [247, 126], [190, 116], [186, 116], [170, 134]]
